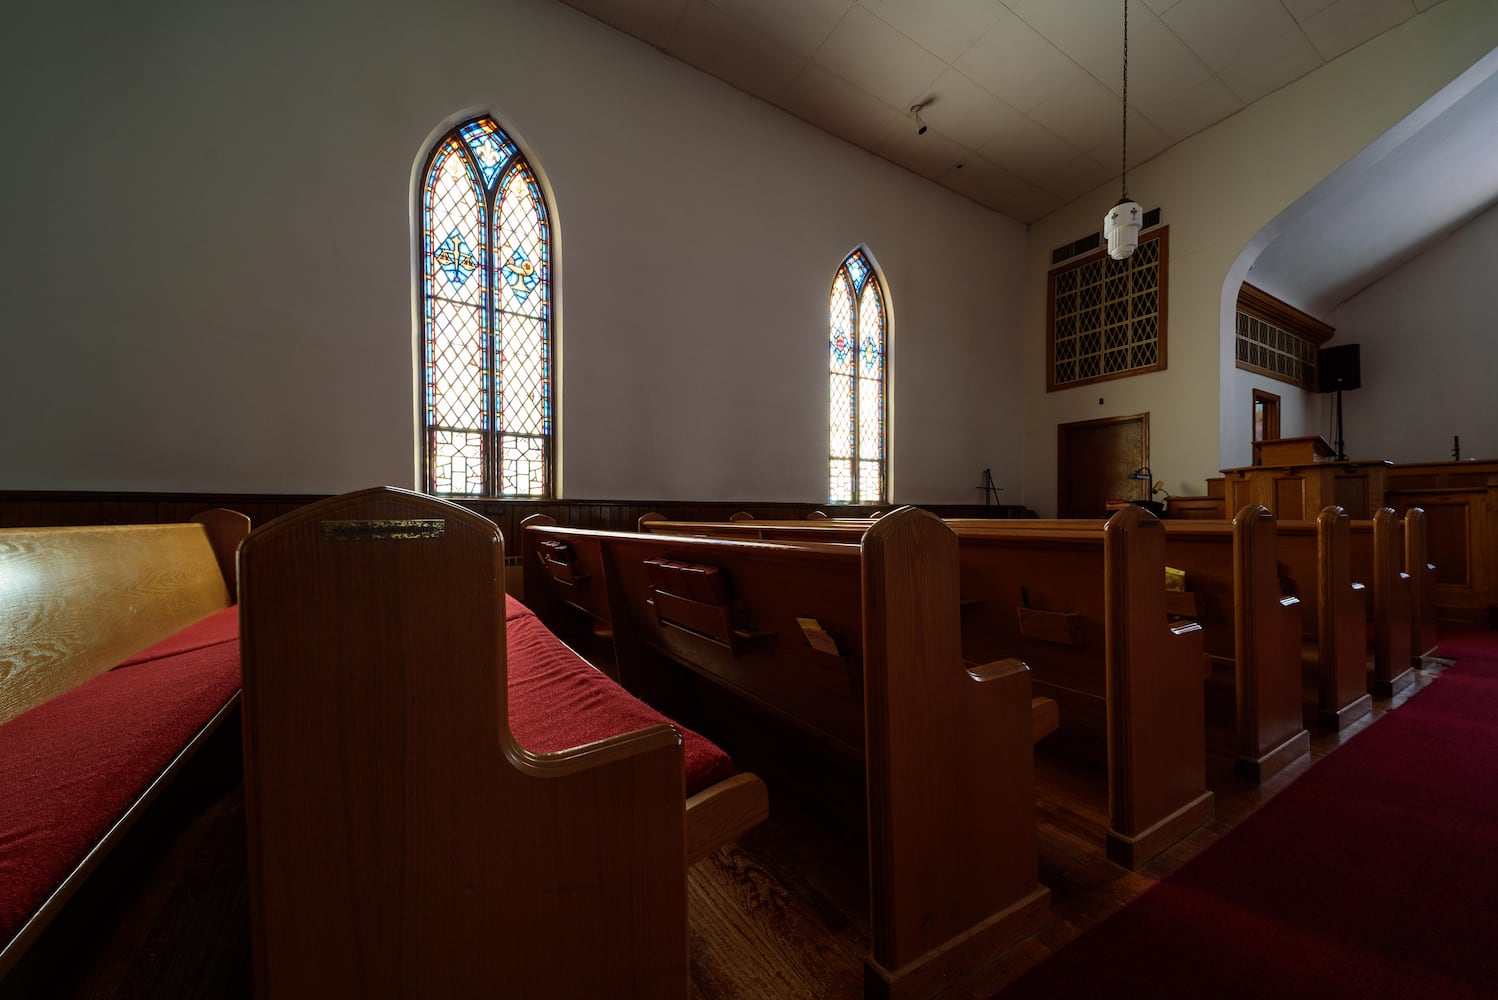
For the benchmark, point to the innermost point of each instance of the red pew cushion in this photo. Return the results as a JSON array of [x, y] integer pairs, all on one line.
[[73, 764], [545, 673]]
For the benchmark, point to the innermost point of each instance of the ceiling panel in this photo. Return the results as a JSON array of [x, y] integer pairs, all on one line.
[[959, 108], [1012, 62], [1024, 93], [947, 28], [800, 25], [877, 59], [1345, 24]]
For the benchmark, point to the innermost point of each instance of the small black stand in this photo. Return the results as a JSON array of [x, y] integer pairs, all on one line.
[[1341, 454], [990, 491]]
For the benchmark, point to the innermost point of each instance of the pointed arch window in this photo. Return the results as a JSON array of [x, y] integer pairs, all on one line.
[[859, 328], [487, 360]]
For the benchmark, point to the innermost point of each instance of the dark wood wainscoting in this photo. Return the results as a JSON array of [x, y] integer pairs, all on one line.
[[36, 510]]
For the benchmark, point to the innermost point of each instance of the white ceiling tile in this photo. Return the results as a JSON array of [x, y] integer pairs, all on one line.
[[1000, 190], [1302, 9], [1260, 73], [959, 108], [1146, 140], [1074, 178], [711, 40], [1346, 24], [1191, 109], [878, 59], [1254, 46], [1222, 32], [651, 21], [929, 155], [1161, 6], [1090, 32], [1028, 150], [799, 25], [947, 28], [839, 107], [1160, 65], [1080, 112], [1012, 62]]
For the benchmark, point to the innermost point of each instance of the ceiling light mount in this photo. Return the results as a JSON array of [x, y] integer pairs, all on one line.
[[915, 109], [1121, 224]]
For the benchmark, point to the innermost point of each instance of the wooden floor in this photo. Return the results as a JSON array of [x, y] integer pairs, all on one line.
[[781, 914]]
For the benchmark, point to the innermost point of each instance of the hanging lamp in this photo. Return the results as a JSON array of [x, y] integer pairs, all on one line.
[[1121, 224]]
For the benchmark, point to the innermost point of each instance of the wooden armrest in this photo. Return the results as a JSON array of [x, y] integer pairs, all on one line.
[[723, 812], [1045, 717]]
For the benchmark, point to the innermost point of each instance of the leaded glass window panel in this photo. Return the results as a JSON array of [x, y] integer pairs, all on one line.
[[1107, 317], [487, 355], [858, 332]]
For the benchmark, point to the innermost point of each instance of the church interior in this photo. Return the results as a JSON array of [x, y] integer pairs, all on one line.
[[825, 389]]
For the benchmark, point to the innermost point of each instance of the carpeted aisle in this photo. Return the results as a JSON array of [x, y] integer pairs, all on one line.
[[1373, 875]]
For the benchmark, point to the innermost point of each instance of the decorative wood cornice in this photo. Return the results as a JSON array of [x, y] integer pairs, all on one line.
[[1281, 314]]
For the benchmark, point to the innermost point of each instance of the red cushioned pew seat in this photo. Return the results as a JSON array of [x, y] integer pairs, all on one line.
[[74, 764], [546, 673]]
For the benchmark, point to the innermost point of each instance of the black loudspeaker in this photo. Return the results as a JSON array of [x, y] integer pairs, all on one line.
[[1338, 368]]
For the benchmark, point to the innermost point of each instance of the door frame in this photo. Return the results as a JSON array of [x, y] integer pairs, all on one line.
[[1063, 448]]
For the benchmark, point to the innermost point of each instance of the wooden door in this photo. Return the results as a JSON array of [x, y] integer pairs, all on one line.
[[1095, 463]]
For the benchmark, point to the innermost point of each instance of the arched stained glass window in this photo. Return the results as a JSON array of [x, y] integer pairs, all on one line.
[[487, 360], [859, 323]]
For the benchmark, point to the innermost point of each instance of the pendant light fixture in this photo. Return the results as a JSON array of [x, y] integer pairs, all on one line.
[[1121, 224]]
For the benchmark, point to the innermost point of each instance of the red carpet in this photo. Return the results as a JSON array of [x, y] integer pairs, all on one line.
[[1373, 875]]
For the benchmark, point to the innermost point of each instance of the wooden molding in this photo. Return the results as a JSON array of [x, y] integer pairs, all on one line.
[[1277, 312]]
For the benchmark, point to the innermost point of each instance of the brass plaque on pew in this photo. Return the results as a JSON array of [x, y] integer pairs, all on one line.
[[398, 529]]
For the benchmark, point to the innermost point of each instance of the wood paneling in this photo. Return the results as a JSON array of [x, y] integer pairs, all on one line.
[[39, 509]]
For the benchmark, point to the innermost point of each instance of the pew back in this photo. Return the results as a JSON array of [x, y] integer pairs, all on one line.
[[383, 786], [80, 600], [858, 644]]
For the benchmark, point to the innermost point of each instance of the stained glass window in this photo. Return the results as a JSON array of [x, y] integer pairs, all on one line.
[[858, 363], [488, 366]]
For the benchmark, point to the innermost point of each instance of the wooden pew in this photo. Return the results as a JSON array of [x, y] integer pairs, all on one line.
[[1315, 565], [1247, 621], [1250, 624], [859, 645], [77, 602], [1084, 604], [1423, 638], [1378, 556], [401, 842], [1079, 656]]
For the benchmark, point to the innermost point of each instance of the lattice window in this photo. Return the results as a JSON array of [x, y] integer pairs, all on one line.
[[1107, 317], [1265, 348], [487, 357], [1277, 339], [859, 327]]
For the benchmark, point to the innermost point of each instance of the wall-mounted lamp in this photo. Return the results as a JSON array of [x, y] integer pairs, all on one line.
[[915, 109]]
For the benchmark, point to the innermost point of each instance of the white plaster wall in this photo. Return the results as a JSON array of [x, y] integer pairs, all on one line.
[[1217, 191], [207, 268], [1429, 354]]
